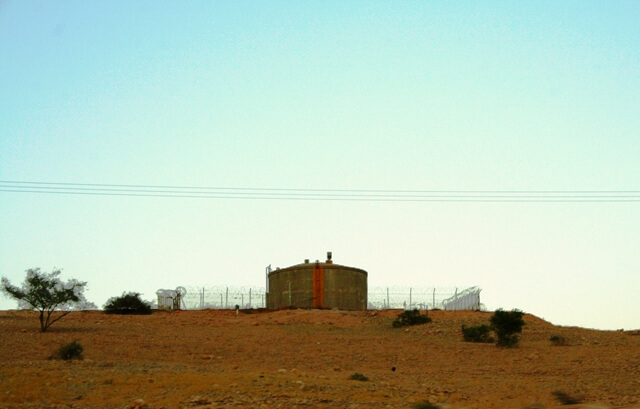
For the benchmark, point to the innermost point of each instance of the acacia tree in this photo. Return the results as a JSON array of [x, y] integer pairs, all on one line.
[[47, 293]]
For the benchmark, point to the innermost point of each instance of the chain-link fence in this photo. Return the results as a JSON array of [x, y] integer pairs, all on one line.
[[423, 298], [445, 298], [224, 297]]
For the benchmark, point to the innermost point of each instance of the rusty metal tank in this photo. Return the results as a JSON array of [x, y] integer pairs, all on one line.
[[317, 285]]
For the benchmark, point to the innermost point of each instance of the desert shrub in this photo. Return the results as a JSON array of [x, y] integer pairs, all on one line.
[[128, 303], [478, 333], [412, 317], [558, 340], [72, 350], [506, 324], [565, 398], [358, 377], [425, 405]]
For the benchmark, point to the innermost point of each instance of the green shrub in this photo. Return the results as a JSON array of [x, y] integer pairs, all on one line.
[[479, 333], [128, 303], [506, 324], [72, 350], [558, 340], [358, 377], [413, 317]]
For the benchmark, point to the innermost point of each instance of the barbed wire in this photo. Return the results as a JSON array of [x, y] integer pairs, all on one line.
[[379, 297]]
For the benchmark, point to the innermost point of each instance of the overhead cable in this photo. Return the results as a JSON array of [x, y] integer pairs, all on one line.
[[368, 195]]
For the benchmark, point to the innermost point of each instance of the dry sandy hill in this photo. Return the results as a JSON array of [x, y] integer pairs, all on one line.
[[304, 359]]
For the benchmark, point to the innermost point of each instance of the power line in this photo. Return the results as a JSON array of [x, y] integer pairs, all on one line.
[[306, 194], [311, 190]]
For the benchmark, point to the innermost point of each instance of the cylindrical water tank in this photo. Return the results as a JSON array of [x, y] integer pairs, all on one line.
[[318, 285]]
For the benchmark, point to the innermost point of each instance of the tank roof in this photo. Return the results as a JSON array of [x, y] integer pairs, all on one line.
[[324, 264], [312, 264]]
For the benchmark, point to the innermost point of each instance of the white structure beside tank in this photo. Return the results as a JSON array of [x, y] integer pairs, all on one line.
[[171, 299], [468, 299]]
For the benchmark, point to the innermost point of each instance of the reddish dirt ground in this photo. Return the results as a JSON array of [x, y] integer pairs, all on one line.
[[304, 359]]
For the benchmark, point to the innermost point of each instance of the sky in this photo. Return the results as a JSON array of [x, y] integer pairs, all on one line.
[[454, 97]]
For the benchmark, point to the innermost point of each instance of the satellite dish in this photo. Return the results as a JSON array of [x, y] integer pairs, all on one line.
[[181, 293]]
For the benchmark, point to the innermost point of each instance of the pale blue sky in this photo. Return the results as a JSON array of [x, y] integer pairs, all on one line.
[[328, 95]]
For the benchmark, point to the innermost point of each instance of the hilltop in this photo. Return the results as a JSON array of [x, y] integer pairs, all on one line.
[[304, 359]]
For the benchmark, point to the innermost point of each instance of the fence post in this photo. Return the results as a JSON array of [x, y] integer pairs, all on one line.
[[250, 298], [226, 299], [388, 305], [455, 302], [410, 303], [434, 297]]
